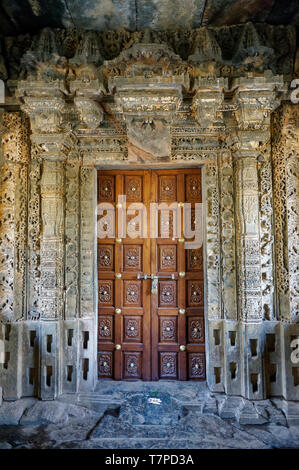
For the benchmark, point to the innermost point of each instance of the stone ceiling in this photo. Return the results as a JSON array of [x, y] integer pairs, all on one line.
[[22, 16]]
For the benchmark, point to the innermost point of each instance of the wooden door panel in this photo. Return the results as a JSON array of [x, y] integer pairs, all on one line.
[[178, 341], [126, 354], [161, 335]]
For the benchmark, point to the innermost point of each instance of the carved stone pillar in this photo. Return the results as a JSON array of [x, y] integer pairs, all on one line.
[[45, 104], [255, 98]]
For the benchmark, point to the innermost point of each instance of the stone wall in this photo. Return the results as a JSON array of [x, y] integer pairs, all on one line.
[[149, 107]]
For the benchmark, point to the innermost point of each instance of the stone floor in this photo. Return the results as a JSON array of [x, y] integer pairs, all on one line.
[[135, 415]]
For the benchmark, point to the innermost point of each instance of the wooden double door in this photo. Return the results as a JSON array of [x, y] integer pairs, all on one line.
[[150, 289]]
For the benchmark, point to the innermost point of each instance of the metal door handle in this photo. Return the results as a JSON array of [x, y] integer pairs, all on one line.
[[154, 279]]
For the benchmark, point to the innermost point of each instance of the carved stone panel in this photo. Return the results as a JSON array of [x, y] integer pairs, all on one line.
[[87, 234], [72, 235], [228, 235]]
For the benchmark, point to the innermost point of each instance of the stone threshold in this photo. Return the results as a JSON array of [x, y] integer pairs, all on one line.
[[188, 396]]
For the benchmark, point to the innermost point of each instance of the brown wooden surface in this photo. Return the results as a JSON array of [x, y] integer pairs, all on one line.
[[150, 329]]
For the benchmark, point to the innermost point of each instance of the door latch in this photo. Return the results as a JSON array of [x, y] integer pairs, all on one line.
[[154, 279]]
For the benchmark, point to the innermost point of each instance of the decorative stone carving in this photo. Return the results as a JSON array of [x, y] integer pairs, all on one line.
[[72, 232], [228, 236], [13, 207], [285, 191], [52, 240], [148, 95], [208, 99], [265, 177], [45, 105], [137, 108], [213, 237], [34, 230], [86, 82], [256, 97], [87, 218]]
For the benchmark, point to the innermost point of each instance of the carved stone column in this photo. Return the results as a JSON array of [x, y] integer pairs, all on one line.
[[255, 98], [45, 104]]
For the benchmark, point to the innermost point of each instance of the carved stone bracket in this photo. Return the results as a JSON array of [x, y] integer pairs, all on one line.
[[208, 99], [87, 100], [148, 92], [256, 98], [44, 103]]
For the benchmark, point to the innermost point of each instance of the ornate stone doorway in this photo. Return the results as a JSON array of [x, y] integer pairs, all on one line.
[[150, 280]]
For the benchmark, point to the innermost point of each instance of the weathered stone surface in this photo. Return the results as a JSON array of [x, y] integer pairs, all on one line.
[[114, 14], [12, 411], [53, 413], [134, 425]]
